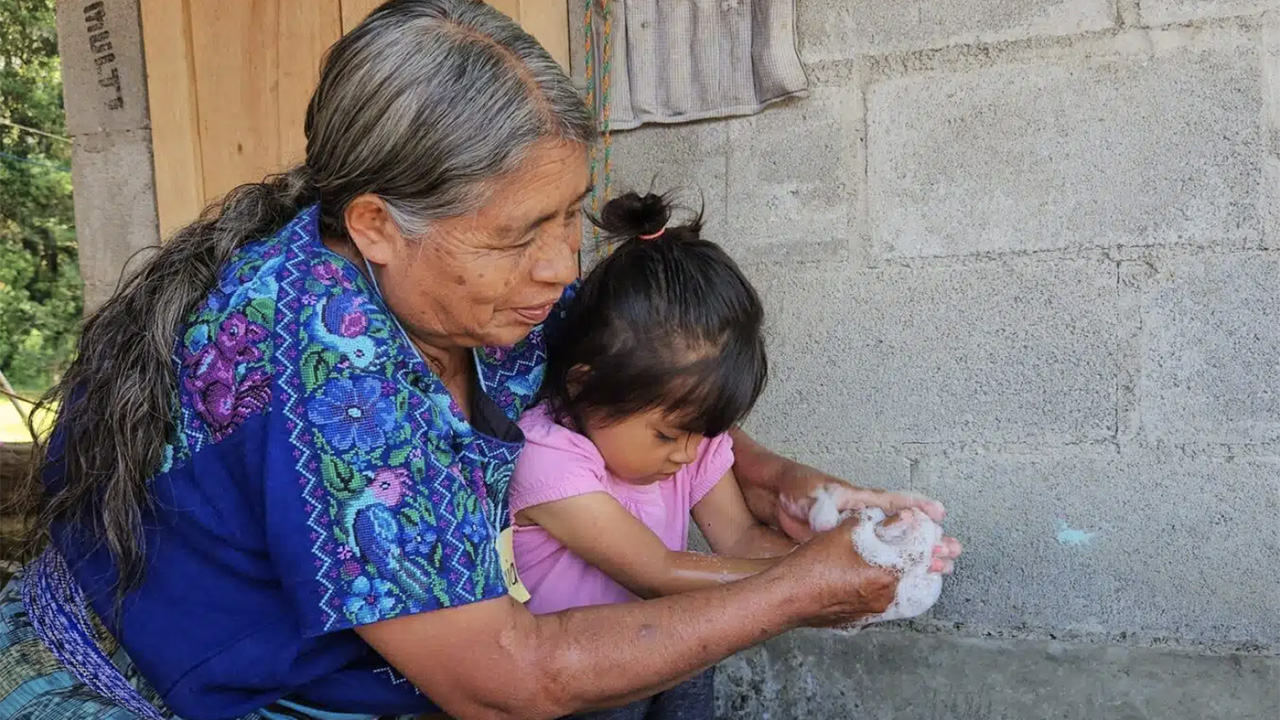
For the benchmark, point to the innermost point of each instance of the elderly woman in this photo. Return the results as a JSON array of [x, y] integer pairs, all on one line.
[[277, 484]]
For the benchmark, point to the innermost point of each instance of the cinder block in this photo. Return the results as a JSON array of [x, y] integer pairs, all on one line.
[[688, 160], [840, 29], [1148, 543], [785, 183], [885, 674], [1001, 352], [115, 205], [796, 174], [1165, 12], [1209, 370], [1132, 150], [888, 468], [103, 71]]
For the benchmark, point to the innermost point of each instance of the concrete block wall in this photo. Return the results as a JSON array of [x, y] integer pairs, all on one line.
[[1021, 255]]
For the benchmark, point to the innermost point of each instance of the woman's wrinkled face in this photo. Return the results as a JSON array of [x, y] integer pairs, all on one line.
[[486, 279]]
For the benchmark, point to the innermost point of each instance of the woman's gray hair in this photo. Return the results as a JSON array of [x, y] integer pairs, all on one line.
[[470, 92], [421, 105]]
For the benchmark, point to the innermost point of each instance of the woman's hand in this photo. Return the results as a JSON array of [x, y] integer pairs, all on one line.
[[833, 576]]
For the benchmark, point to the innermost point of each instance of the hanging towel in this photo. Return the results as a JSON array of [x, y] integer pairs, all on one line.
[[679, 61]]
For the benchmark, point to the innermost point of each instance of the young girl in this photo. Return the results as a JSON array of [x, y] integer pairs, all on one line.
[[660, 355]]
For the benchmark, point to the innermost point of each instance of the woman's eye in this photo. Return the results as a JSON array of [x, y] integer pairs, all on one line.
[[663, 436]]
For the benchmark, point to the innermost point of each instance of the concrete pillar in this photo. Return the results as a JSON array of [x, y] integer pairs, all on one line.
[[105, 90]]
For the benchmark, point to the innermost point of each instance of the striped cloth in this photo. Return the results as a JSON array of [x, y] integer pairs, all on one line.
[[679, 61], [34, 685]]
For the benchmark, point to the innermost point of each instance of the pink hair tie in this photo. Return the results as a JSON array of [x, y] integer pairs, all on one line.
[[654, 236]]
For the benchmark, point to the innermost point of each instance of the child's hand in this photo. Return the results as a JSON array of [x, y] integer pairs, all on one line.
[[944, 554], [797, 497]]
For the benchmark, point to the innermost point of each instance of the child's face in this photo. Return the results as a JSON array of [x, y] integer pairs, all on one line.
[[644, 448]]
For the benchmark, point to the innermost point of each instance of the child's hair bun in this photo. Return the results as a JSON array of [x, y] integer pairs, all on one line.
[[667, 320], [634, 215]]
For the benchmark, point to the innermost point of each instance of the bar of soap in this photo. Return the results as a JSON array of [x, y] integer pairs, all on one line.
[[904, 548]]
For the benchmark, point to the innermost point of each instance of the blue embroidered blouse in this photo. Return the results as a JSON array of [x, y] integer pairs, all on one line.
[[321, 478]]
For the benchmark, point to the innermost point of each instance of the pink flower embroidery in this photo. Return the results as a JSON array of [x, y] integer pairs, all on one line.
[[390, 485], [325, 272]]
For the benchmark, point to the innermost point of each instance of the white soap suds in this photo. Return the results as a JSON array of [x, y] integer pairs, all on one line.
[[825, 513], [904, 547]]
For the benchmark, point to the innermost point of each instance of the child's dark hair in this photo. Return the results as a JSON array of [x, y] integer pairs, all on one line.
[[666, 321]]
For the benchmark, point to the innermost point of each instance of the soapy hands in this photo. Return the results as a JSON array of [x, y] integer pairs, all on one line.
[[797, 500], [889, 567], [902, 544]]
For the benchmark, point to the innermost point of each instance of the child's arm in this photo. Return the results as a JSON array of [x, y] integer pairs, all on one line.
[[724, 519], [599, 530]]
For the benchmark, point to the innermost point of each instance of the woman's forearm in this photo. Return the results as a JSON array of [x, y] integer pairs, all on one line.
[[518, 665], [756, 465], [762, 475], [523, 666], [654, 644]]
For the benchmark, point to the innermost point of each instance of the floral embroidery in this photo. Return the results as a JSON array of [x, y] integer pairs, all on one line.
[[353, 413], [397, 497], [390, 485], [420, 538], [473, 526], [370, 600], [404, 495]]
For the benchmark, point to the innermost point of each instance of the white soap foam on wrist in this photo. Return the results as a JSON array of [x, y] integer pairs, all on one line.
[[905, 548], [825, 514]]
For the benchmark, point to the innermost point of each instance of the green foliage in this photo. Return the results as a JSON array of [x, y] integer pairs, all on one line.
[[40, 288]]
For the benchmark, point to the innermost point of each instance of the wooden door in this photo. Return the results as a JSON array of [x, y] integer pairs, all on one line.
[[229, 82]]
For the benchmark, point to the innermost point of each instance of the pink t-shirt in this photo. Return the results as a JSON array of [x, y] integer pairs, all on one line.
[[558, 463]]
